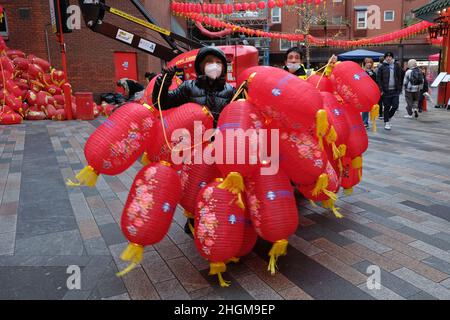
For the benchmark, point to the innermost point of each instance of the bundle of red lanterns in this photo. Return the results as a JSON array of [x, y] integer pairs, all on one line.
[[315, 138], [30, 88]]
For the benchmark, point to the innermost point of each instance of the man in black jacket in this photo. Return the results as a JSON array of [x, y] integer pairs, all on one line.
[[209, 89], [389, 78]]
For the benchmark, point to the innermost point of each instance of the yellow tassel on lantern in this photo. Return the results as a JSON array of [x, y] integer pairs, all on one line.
[[357, 163], [279, 249], [321, 184], [133, 253], [348, 191], [330, 204], [144, 160], [86, 177], [373, 116], [322, 126], [188, 215], [342, 150], [217, 268], [331, 139], [234, 260], [234, 183]]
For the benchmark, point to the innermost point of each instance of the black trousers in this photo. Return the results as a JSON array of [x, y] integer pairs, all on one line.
[[391, 102], [380, 103]]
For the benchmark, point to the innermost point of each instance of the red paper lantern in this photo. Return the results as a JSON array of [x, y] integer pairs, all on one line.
[[44, 64], [273, 210], [337, 115], [261, 5], [283, 97], [325, 189], [355, 86], [7, 64], [245, 6], [5, 76], [352, 173], [50, 111], [322, 83], [250, 237], [237, 6], [219, 227], [301, 157], [13, 88], [237, 121], [22, 84], [149, 209], [10, 118], [12, 54], [118, 142], [35, 71], [42, 99], [253, 6], [358, 141], [194, 177], [35, 115], [57, 77], [184, 117], [21, 63], [54, 90], [279, 3], [60, 115]]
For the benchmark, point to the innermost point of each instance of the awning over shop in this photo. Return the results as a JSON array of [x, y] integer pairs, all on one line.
[[359, 55], [429, 11]]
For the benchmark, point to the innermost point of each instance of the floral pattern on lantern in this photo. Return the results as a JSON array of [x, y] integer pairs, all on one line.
[[208, 221], [143, 202]]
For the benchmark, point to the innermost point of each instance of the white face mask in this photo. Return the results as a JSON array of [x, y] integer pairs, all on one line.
[[293, 66], [213, 70]]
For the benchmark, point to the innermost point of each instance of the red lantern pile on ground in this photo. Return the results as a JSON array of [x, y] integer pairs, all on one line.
[[30, 88]]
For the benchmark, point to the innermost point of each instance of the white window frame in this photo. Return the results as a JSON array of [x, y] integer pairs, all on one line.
[[278, 16], [393, 15], [284, 41], [5, 34], [357, 20]]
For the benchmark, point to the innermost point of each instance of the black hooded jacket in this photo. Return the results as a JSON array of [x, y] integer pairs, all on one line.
[[214, 94]]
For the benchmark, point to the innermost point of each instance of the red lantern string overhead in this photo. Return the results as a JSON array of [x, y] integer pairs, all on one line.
[[193, 13]]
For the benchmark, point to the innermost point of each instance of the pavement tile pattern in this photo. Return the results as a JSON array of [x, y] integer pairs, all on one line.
[[398, 219]]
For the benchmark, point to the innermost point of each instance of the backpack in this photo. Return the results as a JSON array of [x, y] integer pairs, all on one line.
[[416, 77]]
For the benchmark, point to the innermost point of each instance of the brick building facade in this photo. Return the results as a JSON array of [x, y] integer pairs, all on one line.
[[349, 19], [90, 55]]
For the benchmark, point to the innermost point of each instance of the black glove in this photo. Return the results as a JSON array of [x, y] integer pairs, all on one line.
[[170, 73]]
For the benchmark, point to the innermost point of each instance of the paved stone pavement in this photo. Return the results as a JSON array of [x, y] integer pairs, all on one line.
[[398, 219]]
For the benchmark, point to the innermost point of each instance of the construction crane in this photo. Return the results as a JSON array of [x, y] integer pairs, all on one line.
[[180, 51]]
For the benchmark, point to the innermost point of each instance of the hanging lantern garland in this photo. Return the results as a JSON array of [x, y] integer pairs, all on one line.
[[204, 14]]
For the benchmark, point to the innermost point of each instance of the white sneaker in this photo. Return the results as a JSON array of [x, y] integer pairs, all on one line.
[[407, 116], [387, 126]]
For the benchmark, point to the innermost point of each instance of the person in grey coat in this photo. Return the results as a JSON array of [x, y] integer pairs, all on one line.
[[413, 84]]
